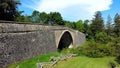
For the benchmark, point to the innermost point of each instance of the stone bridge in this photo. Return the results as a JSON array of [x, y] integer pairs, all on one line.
[[20, 41]]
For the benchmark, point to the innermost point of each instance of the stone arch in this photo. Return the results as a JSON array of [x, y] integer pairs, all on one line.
[[65, 40]]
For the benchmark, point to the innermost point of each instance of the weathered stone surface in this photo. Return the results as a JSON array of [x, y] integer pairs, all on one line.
[[15, 47], [14, 27]]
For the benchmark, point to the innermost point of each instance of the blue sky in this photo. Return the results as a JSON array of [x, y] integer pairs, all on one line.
[[114, 8], [72, 10]]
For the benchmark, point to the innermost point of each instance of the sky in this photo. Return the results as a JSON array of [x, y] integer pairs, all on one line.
[[72, 10]]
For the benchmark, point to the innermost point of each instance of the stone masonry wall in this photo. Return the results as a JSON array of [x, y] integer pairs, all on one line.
[[79, 38], [16, 47], [20, 41]]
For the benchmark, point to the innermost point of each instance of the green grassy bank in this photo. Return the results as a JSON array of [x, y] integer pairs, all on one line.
[[31, 63], [85, 62]]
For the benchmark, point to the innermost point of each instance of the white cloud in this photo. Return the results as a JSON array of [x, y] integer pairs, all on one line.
[[71, 9]]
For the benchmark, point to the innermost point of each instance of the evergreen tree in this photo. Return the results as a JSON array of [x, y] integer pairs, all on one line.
[[117, 25], [8, 9], [97, 23], [109, 26]]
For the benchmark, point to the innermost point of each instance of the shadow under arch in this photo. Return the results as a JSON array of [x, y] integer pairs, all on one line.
[[66, 41]]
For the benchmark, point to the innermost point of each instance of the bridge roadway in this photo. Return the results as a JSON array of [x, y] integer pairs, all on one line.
[[20, 41]]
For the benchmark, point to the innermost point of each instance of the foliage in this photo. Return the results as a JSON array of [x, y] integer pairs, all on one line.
[[95, 49], [35, 16], [112, 64], [86, 27], [23, 18], [43, 18], [117, 25], [118, 59], [79, 26], [55, 18], [8, 9], [68, 24], [109, 26], [97, 24], [102, 37]]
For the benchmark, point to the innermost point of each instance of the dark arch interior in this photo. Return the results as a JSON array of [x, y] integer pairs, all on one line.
[[65, 41]]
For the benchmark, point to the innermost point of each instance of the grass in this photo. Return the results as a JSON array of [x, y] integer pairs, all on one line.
[[31, 63], [85, 62], [75, 62]]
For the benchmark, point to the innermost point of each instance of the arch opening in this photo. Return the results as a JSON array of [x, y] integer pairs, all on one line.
[[66, 41]]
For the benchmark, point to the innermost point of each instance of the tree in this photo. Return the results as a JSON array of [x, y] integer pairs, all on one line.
[[102, 37], [80, 26], [86, 26], [8, 9], [69, 24], [43, 18], [109, 26], [117, 25], [87, 30], [55, 18], [27, 18], [97, 23], [35, 17], [20, 17]]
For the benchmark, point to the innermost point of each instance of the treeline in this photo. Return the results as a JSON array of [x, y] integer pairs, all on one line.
[[53, 18], [103, 38]]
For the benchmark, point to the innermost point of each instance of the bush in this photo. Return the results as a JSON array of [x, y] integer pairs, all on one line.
[[102, 37], [118, 59], [92, 49], [112, 64], [95, 49], [69, 50]]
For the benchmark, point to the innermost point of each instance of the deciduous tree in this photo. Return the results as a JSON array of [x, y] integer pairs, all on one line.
[[55, 18]]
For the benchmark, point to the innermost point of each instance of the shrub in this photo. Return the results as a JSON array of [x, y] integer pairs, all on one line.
[[118, 59], [102, 37], [112, 64], [92, 49]]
